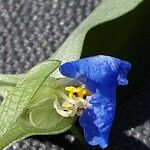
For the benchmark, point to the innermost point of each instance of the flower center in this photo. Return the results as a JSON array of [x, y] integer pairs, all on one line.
[[77, 92], [73, 103]]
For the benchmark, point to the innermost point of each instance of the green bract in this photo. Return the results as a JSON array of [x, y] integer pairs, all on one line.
[[28, 103]]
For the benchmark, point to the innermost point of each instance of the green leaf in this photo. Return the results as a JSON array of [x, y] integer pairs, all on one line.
[[46, 91], [17, 100], [106, 11], [17, 121], [46, 117], [41, 120], [49, 90], [22, 129]]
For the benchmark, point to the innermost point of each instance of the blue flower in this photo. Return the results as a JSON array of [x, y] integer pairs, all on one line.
[[101, 75]]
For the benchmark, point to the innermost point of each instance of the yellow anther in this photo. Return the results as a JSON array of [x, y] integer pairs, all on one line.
[[77, 92], [70, 88], [72, 103], [71, 94]]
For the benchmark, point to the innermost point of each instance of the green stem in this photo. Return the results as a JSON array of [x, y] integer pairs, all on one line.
[[10, 80]]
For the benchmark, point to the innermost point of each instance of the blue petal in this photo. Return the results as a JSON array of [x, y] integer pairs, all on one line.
[[97, 120], [101, 75], [97, 71]]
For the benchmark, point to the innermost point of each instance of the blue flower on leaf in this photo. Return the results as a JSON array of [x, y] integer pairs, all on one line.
[[101, 75]]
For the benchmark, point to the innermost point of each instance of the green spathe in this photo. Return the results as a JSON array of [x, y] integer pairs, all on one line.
[[18, 120]]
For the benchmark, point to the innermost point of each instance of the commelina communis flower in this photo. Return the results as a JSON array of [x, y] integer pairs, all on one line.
[[95, 103]]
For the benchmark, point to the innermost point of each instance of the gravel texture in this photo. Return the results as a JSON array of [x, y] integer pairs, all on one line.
[[30, 31]]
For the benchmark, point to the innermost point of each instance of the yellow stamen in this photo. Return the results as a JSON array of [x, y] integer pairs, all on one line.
[[77, 92], [72, 104]]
